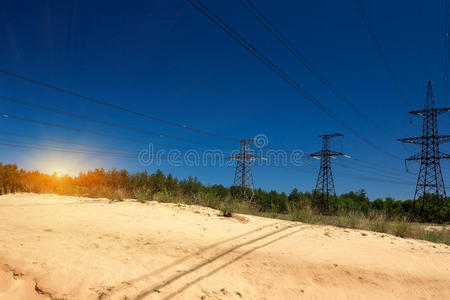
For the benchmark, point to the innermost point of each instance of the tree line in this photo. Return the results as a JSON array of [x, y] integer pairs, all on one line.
[[119, 184]]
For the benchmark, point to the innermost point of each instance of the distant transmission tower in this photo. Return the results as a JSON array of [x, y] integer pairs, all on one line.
[[243, 177], [430, 189], [324, 192]]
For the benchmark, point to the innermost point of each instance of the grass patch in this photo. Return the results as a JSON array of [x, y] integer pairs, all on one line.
[[401, 228], [378, 224], [142, 194], [228, 208], [351, 219]]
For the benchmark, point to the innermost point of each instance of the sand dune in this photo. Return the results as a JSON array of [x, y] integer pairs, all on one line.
[[56, 247]]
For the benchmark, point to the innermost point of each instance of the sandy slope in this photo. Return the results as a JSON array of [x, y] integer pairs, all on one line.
[[77, 248]]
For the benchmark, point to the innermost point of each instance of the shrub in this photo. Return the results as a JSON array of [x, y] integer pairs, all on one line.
[[273, 210], [402, 228], [228, 208], [142, 194], [351, 219], [377, 222], [163, 196], [208, 199], [115, 195], [304, 214], [244, 207]]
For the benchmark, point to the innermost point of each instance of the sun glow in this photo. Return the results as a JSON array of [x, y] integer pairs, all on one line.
[[59, 174]]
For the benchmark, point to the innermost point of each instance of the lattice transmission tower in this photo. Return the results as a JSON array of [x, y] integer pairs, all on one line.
[[243, 178], [324, 194], [430, 196]]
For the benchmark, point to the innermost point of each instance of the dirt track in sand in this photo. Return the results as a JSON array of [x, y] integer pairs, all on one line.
[[57, 247]]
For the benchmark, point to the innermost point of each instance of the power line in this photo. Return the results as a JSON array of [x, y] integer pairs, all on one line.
[[117, 107], [419, 22], [4, 115], [371, 168], [352, 176], [372, 172], [371, 165], [68, 142], [274, 68], [371, 179], [86, 144], [44, 147], [65, 150], [112, 124], [380, 52], [69, 148], [306, 63], [107, 123], [447, 54]]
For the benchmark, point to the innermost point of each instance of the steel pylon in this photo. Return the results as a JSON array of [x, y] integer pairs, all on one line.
[[243, 178], [430, 196], [324, 195]]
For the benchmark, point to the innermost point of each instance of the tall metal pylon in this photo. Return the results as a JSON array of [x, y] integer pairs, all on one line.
[[430, 196], [324, 193], [243, 177]]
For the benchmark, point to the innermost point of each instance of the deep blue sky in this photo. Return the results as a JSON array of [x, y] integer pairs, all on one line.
[[166, 59]]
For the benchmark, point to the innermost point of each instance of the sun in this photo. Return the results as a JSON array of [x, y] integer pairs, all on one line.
[[59, 174]]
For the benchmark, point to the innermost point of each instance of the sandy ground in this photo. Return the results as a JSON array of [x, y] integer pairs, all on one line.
[[55, 247]]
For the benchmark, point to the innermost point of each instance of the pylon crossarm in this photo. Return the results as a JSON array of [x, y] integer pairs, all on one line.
[[443, 139], [328, 136], [241, 157], [316, 154], [419, 157], [413, 140], [328, 153], [333, 153], [424, 112], [444, 156]]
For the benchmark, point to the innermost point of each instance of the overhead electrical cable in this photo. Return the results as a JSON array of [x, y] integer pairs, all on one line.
[[26, 145], [399, 174], [107, 123], [345, 175], [379, 166], [307, 64], [274, 68], [5, 115], [380, 52], [117, 107], [446, 51], [372, 172], [66, 150], [68, 142], [371, 179]]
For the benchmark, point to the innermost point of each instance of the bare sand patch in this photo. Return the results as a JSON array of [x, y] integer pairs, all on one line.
[[58, 247]]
